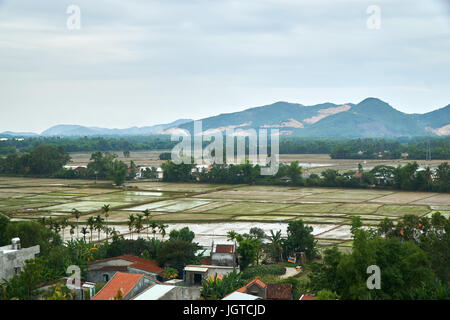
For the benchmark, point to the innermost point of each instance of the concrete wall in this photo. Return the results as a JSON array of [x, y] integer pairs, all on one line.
[[96, 276], [182, 293], [9, 260], [223, 259]]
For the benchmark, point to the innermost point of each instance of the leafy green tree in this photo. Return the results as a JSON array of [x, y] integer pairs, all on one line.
[[46, 160], [326, 295], [216, 289], [248, 251], [118, 172], [293, 171], [24, 285], [183, 234], [177, 254], [31, 234], [355, 224], [4, 221], [300, 239]]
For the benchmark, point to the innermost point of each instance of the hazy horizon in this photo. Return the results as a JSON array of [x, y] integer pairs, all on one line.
[[141, 63]]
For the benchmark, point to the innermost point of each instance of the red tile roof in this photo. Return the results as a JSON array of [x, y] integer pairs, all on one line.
[[121, 281], [279, 291], [244, 288], [224, 248], [138, 263]]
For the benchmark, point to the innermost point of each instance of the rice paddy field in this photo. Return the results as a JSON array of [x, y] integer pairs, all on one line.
[[213, 210]]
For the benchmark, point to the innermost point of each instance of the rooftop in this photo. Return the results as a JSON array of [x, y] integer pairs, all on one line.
[[224, 248], [240, 296], [279, 291], [137, 263], [155, 292], [120, 281]]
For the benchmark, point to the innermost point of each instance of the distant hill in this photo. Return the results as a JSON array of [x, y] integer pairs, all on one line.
[[8, 134], [76, 130], [371, 117]]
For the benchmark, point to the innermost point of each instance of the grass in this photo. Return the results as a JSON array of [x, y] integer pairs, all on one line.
[[399, 210]]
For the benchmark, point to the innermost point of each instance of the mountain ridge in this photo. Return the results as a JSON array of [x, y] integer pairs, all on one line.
[[371, 117]]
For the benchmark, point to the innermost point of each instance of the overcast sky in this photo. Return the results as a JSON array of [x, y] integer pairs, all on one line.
[[137, 63]]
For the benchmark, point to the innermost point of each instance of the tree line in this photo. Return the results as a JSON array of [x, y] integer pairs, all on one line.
[[407, 177], [338, 148]]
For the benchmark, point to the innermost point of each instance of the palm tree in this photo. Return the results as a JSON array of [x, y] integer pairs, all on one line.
[[56, 227], [91, 224], [105, 209], [162, 229], [146, 213], [428, 177], [276, 240], [72, 230], [154, 226], [131, 219], [231, 235], [138, 224], [77, 215], [42, 221], [64, 225], [84, 231], [99, 225]]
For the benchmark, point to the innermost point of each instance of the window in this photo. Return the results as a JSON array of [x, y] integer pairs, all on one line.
[[105, 277], [16, 270]]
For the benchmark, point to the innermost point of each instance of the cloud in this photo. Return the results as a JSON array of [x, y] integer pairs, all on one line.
[[195, 58]]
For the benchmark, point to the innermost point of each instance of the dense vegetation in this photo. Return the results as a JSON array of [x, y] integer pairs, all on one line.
[[407, 177], [56, 256], [413, 257], [338, 148]]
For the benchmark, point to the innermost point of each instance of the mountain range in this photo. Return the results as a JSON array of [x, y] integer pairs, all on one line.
[[371, 117]]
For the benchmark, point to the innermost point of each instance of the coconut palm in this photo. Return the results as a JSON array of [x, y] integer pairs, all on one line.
[[56, 227], [138, 224], [72, 230], [84, 231], [146, 213], [231, 235], [276, 241], [162, 229], [42, 221], [77, 215], [154, 226], [105, 209], [98, 225], [64, 225], [91, 224], [130, 222]]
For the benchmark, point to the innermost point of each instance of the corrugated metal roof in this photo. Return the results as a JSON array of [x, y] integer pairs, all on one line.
[[241, 296], [195, 269], [155, 292]]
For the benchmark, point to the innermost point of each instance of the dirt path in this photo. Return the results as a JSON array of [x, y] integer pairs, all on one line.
[[290, 272]]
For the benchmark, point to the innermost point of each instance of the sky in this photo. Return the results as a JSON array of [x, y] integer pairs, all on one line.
[[138, 63]]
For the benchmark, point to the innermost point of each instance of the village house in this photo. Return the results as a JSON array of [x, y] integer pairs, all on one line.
[[257, 288], [193, 275], [124, 286], [224, 254], [13, 257], [103, 270]]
